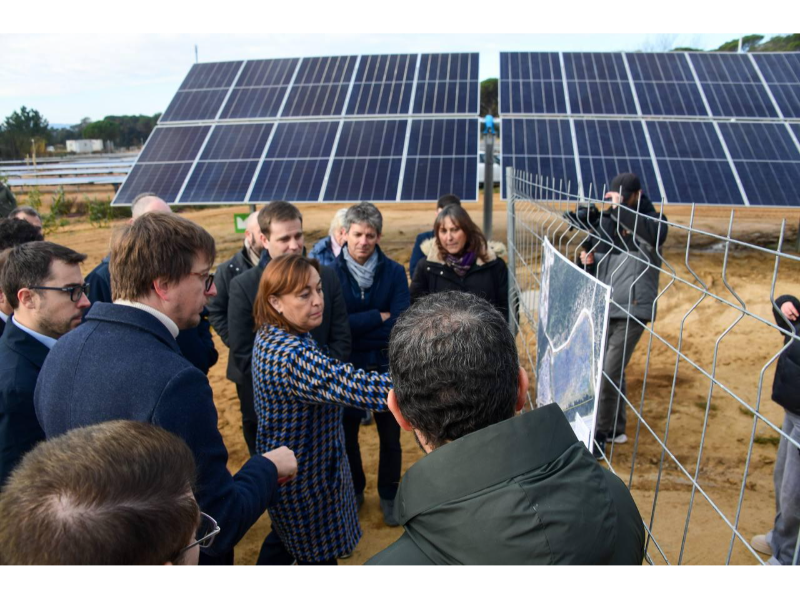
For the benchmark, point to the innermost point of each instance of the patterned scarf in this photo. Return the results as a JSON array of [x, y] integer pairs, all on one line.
[[460, 264], [363, 274]]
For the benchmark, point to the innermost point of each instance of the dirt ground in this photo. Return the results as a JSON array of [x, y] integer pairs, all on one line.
[[740, 357]]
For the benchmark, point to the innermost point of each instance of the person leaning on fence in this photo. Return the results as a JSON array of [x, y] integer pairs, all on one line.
[[375, 291], [299, 394], [493, 488], [124, 363], [117, 493], [8, 201], [460, 259], [781, 541], [328, 248], [417, 253], [627, 258]]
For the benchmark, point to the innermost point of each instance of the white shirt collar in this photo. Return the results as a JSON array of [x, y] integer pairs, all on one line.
[[47, 341], [4, 316], [165, 320]]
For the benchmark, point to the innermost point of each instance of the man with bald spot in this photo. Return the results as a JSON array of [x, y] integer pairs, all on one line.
[[196, 344]]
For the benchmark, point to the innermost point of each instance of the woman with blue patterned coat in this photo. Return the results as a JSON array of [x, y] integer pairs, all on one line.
[[299, 395]]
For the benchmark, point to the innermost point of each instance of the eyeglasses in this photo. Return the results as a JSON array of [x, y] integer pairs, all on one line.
[[209, 280], [75, 291], [206, 532]]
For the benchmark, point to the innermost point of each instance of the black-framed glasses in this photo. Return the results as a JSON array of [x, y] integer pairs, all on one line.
[[209, 281], [75, 291], [206, 532]]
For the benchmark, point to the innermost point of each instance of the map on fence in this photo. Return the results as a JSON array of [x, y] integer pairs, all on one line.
[[573, 313]]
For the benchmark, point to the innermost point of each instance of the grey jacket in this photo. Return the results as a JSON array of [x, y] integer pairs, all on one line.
[[627, 260], [522, 491]]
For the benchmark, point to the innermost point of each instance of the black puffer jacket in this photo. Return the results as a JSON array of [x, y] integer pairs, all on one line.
[[786, 386], [489, 279]]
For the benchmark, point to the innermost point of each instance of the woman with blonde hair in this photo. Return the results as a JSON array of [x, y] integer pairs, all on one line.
[[299, 396], [460, 259]]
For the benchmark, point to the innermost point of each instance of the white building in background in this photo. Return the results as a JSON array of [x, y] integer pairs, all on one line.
[[84, 146]]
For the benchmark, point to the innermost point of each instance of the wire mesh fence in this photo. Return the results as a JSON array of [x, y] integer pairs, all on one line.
[[703, 434]]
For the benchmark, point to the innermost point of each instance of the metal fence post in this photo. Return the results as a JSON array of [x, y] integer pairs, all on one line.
[[512, 252]]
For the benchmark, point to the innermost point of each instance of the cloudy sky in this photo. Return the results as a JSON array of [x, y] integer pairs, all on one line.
[[68, 76]]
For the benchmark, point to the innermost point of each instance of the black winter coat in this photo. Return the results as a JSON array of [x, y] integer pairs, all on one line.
[[489, 279], [218, 305], [786, 386]]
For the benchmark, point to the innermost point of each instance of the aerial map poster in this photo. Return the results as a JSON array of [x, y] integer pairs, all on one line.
[[570, 341]]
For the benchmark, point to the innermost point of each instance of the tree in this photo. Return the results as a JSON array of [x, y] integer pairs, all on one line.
[[105, 130], [19, 129], [749, 43], [489, 97]]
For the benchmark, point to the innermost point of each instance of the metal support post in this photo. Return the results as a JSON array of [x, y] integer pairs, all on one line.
[[488, 184]]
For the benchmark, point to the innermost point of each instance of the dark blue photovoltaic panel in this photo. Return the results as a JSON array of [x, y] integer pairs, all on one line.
[[194, 106], [329, 69], [447, 83], [715, 67], [782, 73], [594, 66], [237, 142], [767, 161], [665, 85], [303, 140], [254, 103], [732, 86], [262, 73], [363, 179], [598, 84], [530, 83], [167, 144], [693, 164], [666, 68], [164, 180], [383, 85], [315, 100], [371, 139], [607, 148], [290, 180], [442, 158], [204, 76], [295, 164], [540, 147], [216, 182]]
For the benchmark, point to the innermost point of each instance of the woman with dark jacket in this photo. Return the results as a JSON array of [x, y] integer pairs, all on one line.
[[459, 258], [299, 395]]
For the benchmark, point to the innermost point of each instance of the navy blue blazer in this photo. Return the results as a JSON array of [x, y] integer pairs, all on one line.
[[389, 293], [416, 253], [124, 364], [196, 344], [21, 359]]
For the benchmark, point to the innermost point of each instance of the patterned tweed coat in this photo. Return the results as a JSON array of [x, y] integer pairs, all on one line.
[[299, 395]]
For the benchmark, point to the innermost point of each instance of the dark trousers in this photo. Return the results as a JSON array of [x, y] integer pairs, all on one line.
[[391, 453], [273, 552], [623, 335], [249, 419]]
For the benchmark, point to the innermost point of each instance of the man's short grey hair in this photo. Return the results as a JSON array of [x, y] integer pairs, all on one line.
[[24, 210], [364, 213], [454, 366], [338, 221]]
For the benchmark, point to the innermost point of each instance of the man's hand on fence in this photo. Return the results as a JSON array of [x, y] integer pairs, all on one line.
[[616, 198], [587, 258], [787, 308]]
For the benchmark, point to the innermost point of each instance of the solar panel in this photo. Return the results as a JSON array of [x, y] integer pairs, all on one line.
[[340, 128], [767, 160], [701, 127]]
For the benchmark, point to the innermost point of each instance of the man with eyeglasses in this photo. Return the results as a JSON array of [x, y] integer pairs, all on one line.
[[196, 343], [70, 503], [124, 363], [42, 282]]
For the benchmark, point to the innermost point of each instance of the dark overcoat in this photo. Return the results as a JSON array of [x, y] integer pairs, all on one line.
[[124, 364], [218, 305], [21, 358]]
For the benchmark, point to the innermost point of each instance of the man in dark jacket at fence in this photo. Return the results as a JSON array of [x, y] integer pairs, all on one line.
[[493, 488], [781, 541], [281, 226], [625, 250], [7, 200]]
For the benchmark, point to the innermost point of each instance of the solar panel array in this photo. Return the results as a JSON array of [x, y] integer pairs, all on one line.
[[340, 128], [715, 128]]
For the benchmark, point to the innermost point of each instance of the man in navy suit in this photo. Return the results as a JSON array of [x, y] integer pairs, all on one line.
[[195, 343], [13, 232], [42, 282], [124, 363]]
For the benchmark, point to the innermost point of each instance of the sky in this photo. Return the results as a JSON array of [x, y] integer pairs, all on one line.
[[83, 73]]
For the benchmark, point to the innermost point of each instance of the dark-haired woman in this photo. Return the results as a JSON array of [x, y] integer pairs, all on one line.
[[299, 395], [459, 258]]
